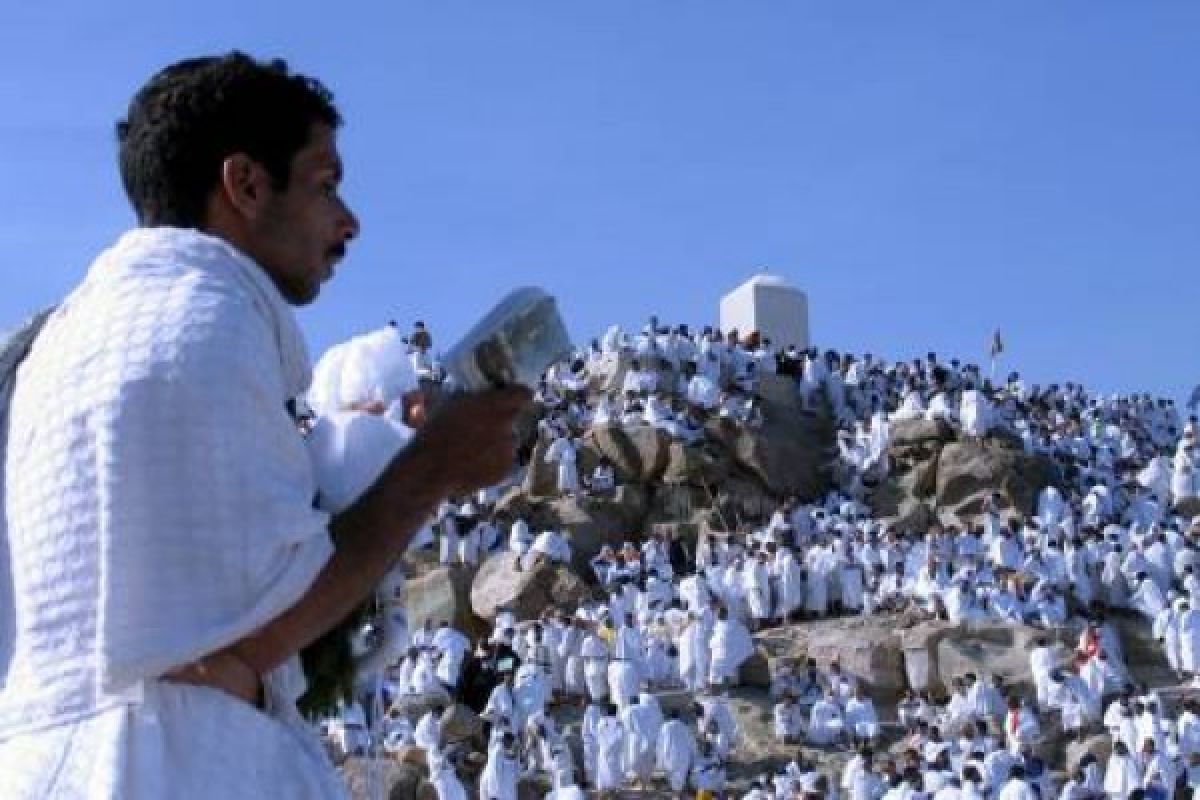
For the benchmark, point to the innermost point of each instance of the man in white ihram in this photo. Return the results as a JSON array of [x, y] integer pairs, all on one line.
[[166, 563]]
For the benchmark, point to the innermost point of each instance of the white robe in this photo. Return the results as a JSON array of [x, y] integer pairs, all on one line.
[[730, 646], [1189, 641], [594, 653], [562, 452], [498, 781], [642, 723], [131, 416], [610, 740], [676, 751], [825, 723], [1121, 776]]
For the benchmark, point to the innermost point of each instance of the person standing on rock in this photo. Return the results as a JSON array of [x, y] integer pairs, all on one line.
[[190, 564]]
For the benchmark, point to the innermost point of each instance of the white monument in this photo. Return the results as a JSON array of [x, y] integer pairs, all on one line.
[[767, 304]]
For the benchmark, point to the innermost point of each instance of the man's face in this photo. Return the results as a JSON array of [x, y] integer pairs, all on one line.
[[303, 230]]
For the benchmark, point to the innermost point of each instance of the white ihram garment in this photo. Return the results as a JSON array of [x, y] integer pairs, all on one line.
[[159, 507]]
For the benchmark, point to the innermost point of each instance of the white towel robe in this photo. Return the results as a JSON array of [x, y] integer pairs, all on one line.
[[145, 533]]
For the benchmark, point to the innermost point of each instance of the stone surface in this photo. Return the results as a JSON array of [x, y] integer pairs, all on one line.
[[910, 432], [528, 592], [415, 706], [399, 781], [968, 472], [787, 454], [460, 724], [868, 647], [592, 521], [443, 593], [638, 454], [1188, 507], [695, 465], [1099, 746]]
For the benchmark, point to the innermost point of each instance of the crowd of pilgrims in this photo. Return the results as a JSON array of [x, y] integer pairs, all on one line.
[[678, 621]]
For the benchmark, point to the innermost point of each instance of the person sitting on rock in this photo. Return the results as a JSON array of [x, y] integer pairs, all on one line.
[[788, 720]]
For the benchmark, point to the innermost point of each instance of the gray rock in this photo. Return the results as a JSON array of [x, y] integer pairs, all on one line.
[[527, 592], [443, 593], [399, 781], [968, 472], [639, 454]]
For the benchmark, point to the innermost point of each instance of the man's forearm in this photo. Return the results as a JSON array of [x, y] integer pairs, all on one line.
[[368, 539]]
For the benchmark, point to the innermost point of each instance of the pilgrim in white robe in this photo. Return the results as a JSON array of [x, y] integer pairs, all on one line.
[[444, 778], [610, 745], [499, 778], [861, 720], [594, 653], [676, 752], [625, 669], [695, 654], [976, 414], [1189, 641], [730, 646], [563, 453], [642, 722], [192, 326], [589, 732], [756, 583], [789, 584], [553, 545], [825, 723], [1122, 775], [788, 719]]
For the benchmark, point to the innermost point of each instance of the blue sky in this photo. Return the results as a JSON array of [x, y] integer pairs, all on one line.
[[926, 171]]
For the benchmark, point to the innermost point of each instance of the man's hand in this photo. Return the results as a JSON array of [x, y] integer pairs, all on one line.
[[469, 438], [224, 670]]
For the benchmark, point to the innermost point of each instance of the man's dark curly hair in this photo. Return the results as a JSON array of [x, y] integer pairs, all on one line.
[[191, 116]]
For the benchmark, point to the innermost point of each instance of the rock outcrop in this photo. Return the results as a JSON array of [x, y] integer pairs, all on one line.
[[500, 583], [891, 652], [936, 474]]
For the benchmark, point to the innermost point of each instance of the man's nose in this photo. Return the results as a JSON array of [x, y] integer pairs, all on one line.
[[350, 226]]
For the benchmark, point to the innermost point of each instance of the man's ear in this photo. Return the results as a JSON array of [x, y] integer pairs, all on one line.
[[245, 185]]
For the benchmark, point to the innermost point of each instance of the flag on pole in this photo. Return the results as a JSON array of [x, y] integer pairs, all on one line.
[[997, 344]]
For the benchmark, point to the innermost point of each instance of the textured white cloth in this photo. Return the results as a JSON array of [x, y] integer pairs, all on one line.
[[159, 506]]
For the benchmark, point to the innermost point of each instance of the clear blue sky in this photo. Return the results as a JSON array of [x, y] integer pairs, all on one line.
[[926, 171]]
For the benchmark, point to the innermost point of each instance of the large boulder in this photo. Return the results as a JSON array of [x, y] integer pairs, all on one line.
[[913, 432], [1188, 507], [591, 521], [639, 454], [969, 472], [415, 706], [399, 781], [867, 647], [676, 504], [443, 593], [695, 465], [501, 583], [938, 652], [786, 454], [1098, 745], [541, 479], [461, 724], [903, 499]]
